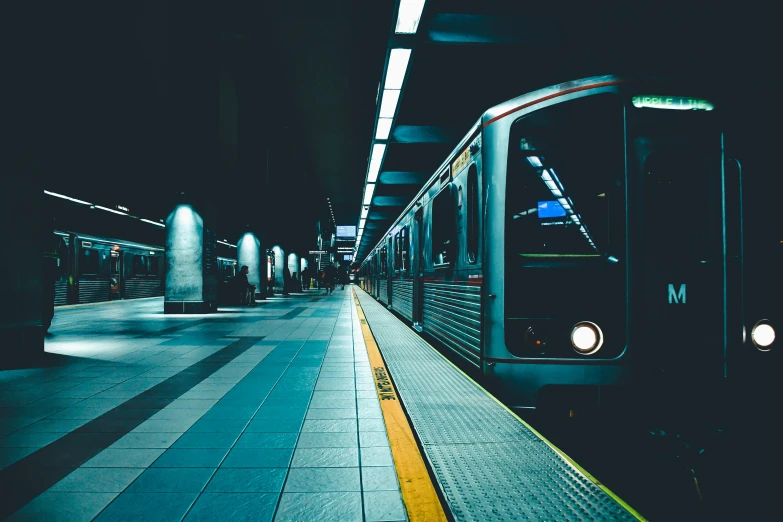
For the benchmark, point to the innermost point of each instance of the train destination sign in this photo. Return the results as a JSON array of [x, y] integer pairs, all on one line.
[[680, 103]]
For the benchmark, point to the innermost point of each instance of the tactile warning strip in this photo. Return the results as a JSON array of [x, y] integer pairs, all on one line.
[[488, 464]]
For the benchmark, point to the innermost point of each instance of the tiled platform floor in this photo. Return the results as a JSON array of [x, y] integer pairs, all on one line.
[[266, 413]]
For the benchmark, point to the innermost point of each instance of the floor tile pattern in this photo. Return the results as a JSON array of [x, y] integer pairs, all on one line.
[[265, 413]]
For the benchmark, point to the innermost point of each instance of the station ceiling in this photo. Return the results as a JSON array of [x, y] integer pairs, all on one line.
[[268, 108]]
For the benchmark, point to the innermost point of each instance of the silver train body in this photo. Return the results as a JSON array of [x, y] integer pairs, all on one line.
[[573, 238]]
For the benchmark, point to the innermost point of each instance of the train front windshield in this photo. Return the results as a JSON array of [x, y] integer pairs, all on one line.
[[565, 224], [569, 240]]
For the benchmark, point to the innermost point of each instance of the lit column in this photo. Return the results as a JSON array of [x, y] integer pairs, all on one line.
[[191, 261], [280, 266], [293, 266], [249, 254]]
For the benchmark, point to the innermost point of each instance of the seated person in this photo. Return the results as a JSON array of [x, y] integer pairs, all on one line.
[[247, 292]]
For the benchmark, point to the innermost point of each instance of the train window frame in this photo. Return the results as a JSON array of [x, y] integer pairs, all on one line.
[[397, 252], [139, 259], [472, 214], [544, 146], [405, 249], [383, 260], [443, 228], [83, 253], [153, 261]]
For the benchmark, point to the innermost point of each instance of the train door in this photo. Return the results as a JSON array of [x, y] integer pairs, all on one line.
[[418, 266], [389, 270], [115, 274], [680, 268]]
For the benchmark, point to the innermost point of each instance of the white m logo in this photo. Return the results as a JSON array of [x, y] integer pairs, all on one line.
[[677, 297]]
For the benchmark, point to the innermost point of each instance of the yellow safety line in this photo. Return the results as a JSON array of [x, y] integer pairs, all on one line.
[[560, 452], [418, 493]]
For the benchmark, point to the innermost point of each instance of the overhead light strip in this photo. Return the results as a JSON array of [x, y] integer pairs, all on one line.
[[113, 211], [407, 22], [66, 197], [389, 103], [408, 16], [395, 71]]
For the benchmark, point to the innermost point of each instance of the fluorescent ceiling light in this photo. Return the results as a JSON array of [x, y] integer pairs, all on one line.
[[227, 244], [377, 152], [66, 197], [153, 222], [383, 129], [365, 211], [362, 223], [408, 16], [389, 103], [368, 191], [372, 174], [535, 161], [398, 64], [111, 210]]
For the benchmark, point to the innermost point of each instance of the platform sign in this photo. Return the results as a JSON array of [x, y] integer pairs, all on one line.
[[346, 231]]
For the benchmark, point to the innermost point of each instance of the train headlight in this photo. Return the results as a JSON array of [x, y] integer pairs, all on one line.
[[763, 335], [586, 338]]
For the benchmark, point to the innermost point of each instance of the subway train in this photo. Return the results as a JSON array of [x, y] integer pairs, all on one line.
[[92, 269], [581, 237]]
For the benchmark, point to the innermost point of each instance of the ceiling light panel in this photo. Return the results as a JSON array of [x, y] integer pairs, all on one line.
[[389, 103], [368, 192], [398, 65], [408, 16], [383, 129]]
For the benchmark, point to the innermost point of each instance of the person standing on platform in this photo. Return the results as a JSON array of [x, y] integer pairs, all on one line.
[[330, 272], [286, 281]]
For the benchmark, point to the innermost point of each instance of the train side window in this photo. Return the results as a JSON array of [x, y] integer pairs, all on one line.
[[404, 248], [88, 261], [473, 214], [443, 228], [383, 261], [153, 266], [139, 265], [398, 251]]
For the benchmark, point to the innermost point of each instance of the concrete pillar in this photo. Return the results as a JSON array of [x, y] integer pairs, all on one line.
[[293, 266], [249, 254], [280, 266], [191, 260], [24, 237]]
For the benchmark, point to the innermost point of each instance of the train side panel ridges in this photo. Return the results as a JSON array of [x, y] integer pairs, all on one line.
[[488, 464]]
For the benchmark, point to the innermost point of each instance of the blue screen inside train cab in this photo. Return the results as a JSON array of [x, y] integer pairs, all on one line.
[[550, 209]]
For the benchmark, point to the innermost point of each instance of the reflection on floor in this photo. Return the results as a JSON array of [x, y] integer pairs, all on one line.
[[264, 413]]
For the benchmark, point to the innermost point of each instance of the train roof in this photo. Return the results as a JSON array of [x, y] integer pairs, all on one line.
[[110, 241]]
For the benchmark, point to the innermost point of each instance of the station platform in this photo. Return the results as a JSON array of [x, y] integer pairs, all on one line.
[[290, 410]]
